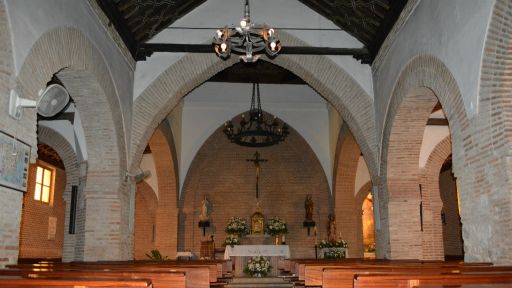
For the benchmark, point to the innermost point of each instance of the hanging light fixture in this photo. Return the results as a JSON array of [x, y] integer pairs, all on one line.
[[246, 40], [256, 131]]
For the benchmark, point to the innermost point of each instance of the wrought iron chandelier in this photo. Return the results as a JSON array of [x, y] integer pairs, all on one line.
[[246, 40], [257, 132]]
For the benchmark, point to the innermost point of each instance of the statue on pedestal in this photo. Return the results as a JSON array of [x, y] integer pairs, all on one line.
[[205, 210], [308, 205], [204, 217], [331, 229]]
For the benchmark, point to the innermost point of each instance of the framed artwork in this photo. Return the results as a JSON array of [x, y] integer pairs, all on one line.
[[14, 160]]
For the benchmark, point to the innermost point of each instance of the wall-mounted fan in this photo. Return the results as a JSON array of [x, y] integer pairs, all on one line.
[[51, 101]]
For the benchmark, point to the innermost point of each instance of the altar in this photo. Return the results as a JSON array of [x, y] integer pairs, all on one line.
[[240, 254]]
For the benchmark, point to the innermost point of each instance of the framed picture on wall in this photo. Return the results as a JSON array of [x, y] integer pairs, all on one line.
[[14, 160]]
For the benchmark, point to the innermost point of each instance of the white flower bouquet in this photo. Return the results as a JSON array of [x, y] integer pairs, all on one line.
[[231, 240], [276, 226], [237, 226], [258, 266]]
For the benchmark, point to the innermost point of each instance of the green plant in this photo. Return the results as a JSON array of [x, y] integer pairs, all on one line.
[[156, 255]]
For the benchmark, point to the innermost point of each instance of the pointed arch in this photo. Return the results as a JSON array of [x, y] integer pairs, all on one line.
[[66, 52]]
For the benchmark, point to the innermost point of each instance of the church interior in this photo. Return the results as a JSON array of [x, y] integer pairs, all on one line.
[[373, 133]]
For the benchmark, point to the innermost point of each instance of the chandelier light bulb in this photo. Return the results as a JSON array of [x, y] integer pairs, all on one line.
[[243, 23], [273, 46], [223, 46]]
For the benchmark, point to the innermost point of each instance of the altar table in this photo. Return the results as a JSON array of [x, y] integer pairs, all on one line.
[[240, 254]]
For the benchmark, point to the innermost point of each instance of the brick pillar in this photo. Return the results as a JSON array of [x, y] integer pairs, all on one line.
[[167, 211], [348, 214], [405, 235]]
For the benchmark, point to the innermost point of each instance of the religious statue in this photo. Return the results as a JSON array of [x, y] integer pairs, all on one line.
[[308, 205], [257, 160], [331, 229], [205, 210]]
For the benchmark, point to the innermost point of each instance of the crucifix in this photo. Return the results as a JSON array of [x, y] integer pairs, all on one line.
[[257, 160]]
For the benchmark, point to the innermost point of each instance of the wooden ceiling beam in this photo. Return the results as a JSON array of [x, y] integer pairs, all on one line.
[[396, 7], [117, 19]]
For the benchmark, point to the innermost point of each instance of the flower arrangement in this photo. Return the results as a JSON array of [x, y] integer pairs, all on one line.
[[231, 240], [333, 250], [337, 244], [258, 266], [334, 253], [237, 226], [276, 226]]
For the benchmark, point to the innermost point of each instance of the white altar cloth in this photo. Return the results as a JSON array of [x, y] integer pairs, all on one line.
[[257, 250], [240, 255]]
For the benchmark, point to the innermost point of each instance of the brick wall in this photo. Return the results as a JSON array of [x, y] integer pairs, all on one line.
[[146, 205], [452, 234], [11, 200], [402, 174], [431, 201], [220, 171], [348, 213], [34, 242], [167, 210]]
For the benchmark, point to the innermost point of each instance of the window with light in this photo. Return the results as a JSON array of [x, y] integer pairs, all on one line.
[[43, 189]]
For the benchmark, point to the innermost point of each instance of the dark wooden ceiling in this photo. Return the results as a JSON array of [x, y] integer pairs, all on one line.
[[137, 21], [48, 155]]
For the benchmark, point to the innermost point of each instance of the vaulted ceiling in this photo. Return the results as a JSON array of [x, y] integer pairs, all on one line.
[[370, 21]]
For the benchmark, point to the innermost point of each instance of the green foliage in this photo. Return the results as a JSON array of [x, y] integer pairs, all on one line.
[[156, 255]]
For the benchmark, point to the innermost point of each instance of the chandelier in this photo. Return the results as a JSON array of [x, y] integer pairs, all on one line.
[[246, 40], [257, 132]]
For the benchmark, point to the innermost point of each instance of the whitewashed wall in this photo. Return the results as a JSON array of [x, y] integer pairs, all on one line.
[[454, 31]]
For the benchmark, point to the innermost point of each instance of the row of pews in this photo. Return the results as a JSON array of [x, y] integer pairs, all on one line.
[[165, 274], [358, 273]]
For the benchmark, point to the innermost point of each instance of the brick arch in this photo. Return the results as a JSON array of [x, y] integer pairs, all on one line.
[[433, 246], [401, 195], [166, 225], [359, 199], [52, 138], [321, 73], [220, 171], [80, 66], [345, 208], [485, 238], [146, 205]]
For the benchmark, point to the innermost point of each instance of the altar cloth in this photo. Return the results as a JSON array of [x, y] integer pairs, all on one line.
[[257, 250]]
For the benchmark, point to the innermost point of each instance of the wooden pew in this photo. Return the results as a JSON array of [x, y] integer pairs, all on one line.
[[195, 276], [312, 273], [18, 282], [343, 277], [410, 281], [158, 279]]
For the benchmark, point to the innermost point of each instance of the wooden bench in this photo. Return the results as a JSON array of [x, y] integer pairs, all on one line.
[[18, 282], [413, 280], [195, 276], [158, 279]]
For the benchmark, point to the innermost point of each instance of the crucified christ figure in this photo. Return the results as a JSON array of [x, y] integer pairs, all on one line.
[[257, 160]]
